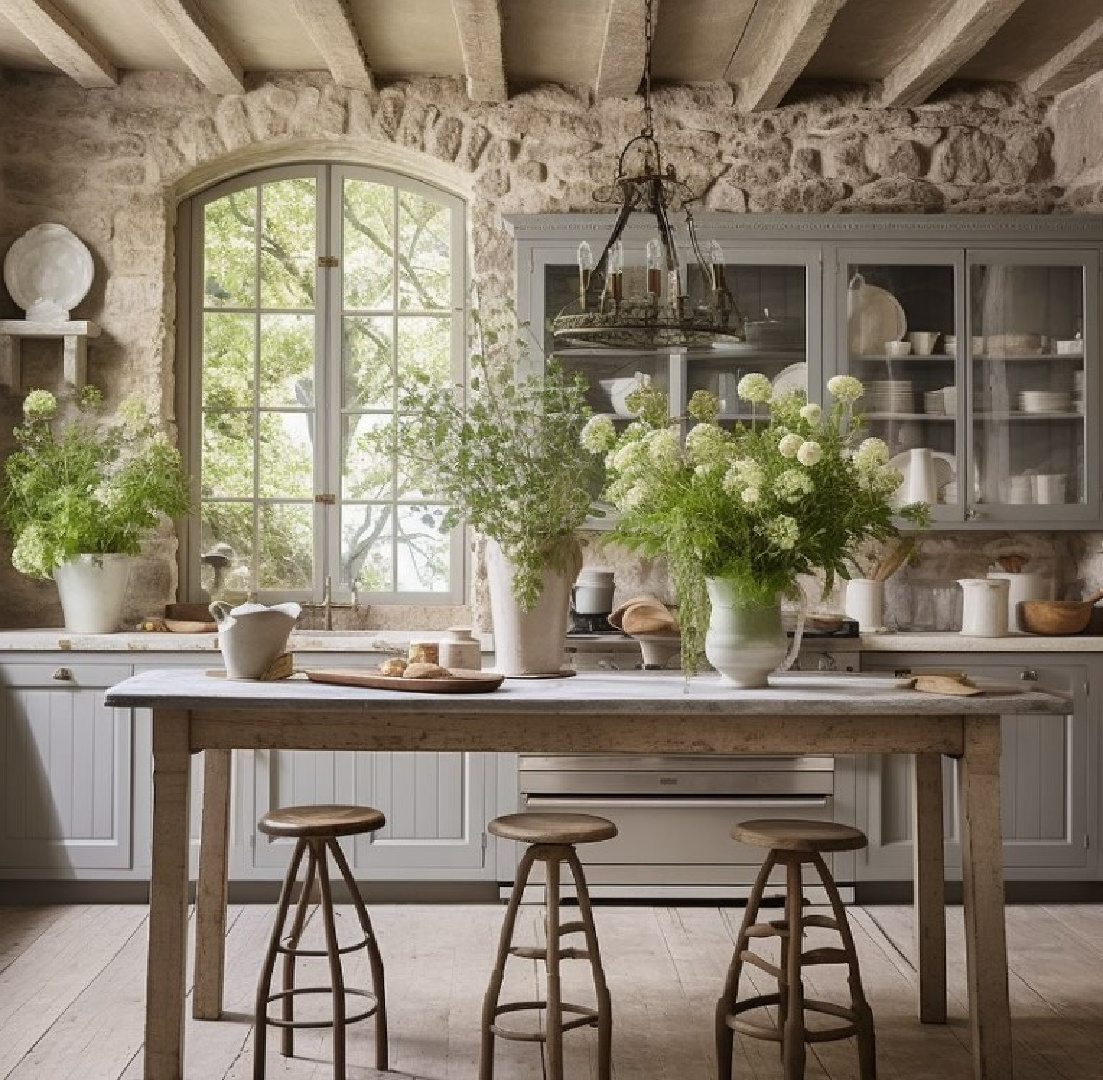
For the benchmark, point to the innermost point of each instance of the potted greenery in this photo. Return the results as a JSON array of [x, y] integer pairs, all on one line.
[[81, 495], [509, 462], [739, 512]]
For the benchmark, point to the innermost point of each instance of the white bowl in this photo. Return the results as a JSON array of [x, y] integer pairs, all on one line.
[[898, 348], [1071, 347], [618, 391]]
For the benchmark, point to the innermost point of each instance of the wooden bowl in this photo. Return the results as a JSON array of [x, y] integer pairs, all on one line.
[[1055, 616]]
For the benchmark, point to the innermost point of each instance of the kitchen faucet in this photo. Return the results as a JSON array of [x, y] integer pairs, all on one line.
[[327, 605]]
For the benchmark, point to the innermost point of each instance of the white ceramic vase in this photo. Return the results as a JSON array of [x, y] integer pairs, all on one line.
[[92, 589], [745, 640], [529, 642]]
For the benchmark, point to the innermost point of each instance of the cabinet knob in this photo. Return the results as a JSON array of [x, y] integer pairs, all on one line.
[[970, 514], [1029, 675], [62, 674]]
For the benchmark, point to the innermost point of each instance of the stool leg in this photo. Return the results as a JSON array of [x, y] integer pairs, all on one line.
[[724, 1034], [287, 1010], [554, 1033], [336, 975], [867, 1046], [494, 989], [264, 984], [601, 990], [793, 1050], [374, 958]]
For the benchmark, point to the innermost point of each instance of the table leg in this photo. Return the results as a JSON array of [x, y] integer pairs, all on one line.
[[982, 877], [166, 982], [210, 894], [930, 886]]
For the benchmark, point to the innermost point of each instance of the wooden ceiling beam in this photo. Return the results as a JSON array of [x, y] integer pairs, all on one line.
[[192, 37], [950, 41], [61, 42], [623, 49], [479, 23], [1077, 61], [787, 35], [329, 25]]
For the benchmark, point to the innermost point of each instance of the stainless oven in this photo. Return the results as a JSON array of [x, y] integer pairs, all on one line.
[[674, 813]]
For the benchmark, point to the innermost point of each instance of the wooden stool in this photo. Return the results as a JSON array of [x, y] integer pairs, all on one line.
[[793, 843], [317, 829], [551, 838]]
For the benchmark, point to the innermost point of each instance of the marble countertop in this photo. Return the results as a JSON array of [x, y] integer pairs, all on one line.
[[941, 641]]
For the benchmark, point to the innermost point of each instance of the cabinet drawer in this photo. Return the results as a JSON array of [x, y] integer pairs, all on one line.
[[60, 673]]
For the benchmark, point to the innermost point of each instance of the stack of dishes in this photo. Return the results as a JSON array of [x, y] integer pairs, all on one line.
[[889, 396], [1045, 401], [934, 401], [1078, 391]]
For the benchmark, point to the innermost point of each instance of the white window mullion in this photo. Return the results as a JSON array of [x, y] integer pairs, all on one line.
[[254, 575], [327, 294]]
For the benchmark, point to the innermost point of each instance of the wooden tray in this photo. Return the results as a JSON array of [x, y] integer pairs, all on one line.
[[459, 682]]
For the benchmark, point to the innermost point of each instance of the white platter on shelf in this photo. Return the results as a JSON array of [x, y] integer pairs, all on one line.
[[874, 316], [794, 377], [48, 271]]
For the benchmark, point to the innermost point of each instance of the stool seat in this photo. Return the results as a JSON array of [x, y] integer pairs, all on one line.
[[320, 821], [553, 828], [783, 834]]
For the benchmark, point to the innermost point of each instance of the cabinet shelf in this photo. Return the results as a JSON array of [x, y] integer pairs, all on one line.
[[887, 417], [1029, 416]]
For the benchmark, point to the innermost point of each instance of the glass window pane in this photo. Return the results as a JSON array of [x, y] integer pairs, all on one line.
[[366, 546], [284, 546], [286, 455], [227, 536], [368, 362], [287, 360], [228, 360], [229, 250], [288, 246], [367, 459], [368, 245], [425, 254], [425, 348], [423, 550], [228, 439]]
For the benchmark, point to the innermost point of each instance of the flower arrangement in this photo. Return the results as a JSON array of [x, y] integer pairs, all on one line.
[[509, 460], [88, 487], [791, 493]]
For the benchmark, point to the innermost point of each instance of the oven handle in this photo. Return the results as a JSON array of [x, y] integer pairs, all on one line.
[[746, 803]]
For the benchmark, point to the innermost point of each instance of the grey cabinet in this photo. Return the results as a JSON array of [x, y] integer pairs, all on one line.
[[1048, 780], [999, 317], [66, 770]]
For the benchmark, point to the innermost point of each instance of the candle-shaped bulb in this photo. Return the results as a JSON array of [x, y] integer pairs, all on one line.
[[585, 258], [716, 261], [654, 255], [616, 258]]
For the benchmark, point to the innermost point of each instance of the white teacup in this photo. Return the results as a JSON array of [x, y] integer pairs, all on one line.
[[923, 341], [898, 348]]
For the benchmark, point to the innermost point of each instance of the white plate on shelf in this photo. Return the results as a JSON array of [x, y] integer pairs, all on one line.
[[873, 317], [794, 377], [48, 271]]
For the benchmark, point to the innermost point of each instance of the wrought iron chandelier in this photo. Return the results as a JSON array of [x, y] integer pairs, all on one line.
[[663, 316]]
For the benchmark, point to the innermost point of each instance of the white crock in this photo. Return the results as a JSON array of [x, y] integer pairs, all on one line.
[[92, 589]]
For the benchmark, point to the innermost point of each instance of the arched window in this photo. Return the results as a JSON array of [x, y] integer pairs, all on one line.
[[307, 295]]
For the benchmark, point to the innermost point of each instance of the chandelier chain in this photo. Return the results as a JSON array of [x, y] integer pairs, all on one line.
[[648, 35]]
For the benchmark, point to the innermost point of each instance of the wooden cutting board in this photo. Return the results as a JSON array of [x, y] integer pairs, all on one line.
[[459, 682]]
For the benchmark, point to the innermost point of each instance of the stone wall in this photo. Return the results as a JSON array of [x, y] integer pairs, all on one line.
[[112, 165]]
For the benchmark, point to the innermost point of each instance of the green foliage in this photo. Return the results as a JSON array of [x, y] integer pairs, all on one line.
[[90, 487], [509, 463], [758, 504]]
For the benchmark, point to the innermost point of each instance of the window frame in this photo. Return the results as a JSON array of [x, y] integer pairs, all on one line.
[[329, 313]]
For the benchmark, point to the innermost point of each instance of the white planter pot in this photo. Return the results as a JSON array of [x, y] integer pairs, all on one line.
[[529, 642], [92, 589], [745, 640]]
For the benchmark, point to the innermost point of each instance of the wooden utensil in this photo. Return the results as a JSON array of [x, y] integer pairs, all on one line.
[[1013, 564], [459, 682], [1057, 616], [894, 557]]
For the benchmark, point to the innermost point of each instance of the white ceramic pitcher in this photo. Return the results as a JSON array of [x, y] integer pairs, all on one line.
[[251, 635], [984, 610]]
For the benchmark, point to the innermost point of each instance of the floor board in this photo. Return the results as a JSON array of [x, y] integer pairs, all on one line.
[[72, 984]]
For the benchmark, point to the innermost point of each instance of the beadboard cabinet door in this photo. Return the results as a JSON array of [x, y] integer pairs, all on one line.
[[66, 770], [1047, 787]]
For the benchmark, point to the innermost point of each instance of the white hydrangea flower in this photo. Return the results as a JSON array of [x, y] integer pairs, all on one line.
[[40, 405], [811, 412], [704, 443], [782, 532], [634, 497], [810, 453], [754, 387], [598, 435], [845, 388], [792, 485], [733, 481], [662, 447], [871, 454], [789, 445], [751, 495]]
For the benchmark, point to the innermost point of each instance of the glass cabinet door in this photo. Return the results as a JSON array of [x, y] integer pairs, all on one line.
[[898, 332], [774, 298], [1031, 331]]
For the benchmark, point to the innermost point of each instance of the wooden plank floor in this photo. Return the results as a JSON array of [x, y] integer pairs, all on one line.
[[72, 987]]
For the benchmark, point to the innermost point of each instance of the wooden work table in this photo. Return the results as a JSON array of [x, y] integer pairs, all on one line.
[[645, 713]]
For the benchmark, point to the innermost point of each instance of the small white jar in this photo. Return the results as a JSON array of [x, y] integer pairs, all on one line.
[[460, 649]]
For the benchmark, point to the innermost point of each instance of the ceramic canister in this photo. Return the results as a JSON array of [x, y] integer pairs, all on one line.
[[984, 607], [1024, 586], [459, 649]]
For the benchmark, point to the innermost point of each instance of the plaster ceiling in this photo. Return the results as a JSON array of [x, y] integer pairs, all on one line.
[[903, 49]]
